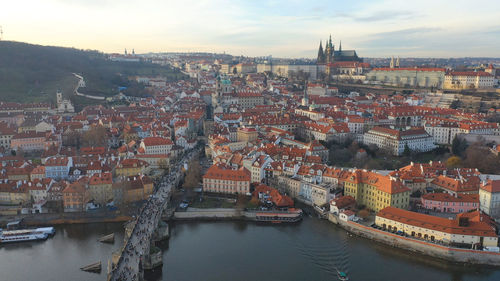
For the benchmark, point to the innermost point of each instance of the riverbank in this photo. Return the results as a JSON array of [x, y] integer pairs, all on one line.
[[443, 252], [232, 214], [66, 218]]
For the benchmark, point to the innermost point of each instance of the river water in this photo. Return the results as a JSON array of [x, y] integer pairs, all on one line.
[[218, 251]]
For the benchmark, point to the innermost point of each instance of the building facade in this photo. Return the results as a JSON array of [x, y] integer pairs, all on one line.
[[463, 231], [489, 196], [222, 179], [395, 141], [376, 191]]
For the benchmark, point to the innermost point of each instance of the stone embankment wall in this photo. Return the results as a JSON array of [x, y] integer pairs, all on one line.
[[422, 247], [213, 214]]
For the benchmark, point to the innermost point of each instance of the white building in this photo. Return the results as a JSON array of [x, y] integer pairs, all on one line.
[[442, 132], [64, 105], [468, 80], [489, 198], [395, 141], [156, 145]]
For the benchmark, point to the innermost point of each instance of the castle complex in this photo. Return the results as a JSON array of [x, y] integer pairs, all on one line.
[[330, 55]]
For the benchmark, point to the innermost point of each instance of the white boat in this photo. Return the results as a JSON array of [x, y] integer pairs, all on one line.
[[10, 236]]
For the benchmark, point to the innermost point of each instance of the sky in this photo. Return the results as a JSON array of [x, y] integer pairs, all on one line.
[[292, 28]]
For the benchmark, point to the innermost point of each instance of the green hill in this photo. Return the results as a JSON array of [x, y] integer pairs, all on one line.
[[31, 73]]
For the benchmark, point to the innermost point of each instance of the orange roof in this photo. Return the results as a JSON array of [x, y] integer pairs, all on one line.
[[57, 161], [153, 141], [446, 197], [469, 73], [456, 185], [491, 186], [101, 178], [477, 228], [278, 199], [343, 201], [222, 172], [410, 69]]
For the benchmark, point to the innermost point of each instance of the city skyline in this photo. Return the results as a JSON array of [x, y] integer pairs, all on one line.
[[281, 29]]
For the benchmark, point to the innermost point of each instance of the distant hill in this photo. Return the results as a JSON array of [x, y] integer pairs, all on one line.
[[33, 73]]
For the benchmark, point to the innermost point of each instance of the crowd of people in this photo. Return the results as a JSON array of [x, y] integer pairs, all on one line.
[[137, 245]]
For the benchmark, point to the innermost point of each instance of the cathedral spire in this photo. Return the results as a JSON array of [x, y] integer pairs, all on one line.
[[330, 43], [340, 46], [321, 54]]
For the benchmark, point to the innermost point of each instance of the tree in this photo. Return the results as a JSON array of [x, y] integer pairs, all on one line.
[[453, 162], [72, 138], [455, 104], [407, 150], [235, 71], [477, 156], [193, 177], [458, 146], [95, 136], [363, 213], [254, 203]]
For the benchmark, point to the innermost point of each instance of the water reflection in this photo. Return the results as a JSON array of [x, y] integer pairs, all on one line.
[[310, 250]]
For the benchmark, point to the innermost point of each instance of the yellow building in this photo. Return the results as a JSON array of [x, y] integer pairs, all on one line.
[[376, 191], [468, 229], [100, 188], [19, 196], [13, 194], [131, 167], [246, 134], [137, 188]]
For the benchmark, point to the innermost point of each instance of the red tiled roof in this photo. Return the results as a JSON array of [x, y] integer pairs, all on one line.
[[437, 223], [446, 197], [410, 69], [153, 141], [491, 186], [469, 73], [222, 172]]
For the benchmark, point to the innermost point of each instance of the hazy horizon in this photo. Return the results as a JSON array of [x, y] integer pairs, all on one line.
[[285, 29]]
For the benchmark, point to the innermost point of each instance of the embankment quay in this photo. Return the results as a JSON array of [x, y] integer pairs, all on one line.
[[129, 265], [428, 248], [69, 218]]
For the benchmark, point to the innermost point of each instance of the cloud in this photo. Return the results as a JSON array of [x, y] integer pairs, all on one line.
[[377, 16], [406, 32]]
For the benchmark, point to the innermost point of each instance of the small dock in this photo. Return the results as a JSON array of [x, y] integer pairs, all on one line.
[[110, 238], [94, 267]]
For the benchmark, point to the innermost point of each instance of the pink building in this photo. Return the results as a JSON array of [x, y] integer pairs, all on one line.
[[447, 203], [28, 141]]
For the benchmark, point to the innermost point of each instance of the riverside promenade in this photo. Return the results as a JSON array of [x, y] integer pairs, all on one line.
[[137, 245], [435, 250]]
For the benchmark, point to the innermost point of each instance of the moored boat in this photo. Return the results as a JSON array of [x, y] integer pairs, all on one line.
[[291, 215], [21, 235]]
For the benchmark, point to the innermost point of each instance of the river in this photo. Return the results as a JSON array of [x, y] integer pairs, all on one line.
[[310, 250]]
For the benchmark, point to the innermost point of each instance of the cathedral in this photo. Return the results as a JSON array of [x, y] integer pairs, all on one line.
[[330, 55]]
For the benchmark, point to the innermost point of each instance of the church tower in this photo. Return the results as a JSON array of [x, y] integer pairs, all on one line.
[[305, 99], [329, 50], [321, 53], [391, 64], [397, 62], [59, 98]]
